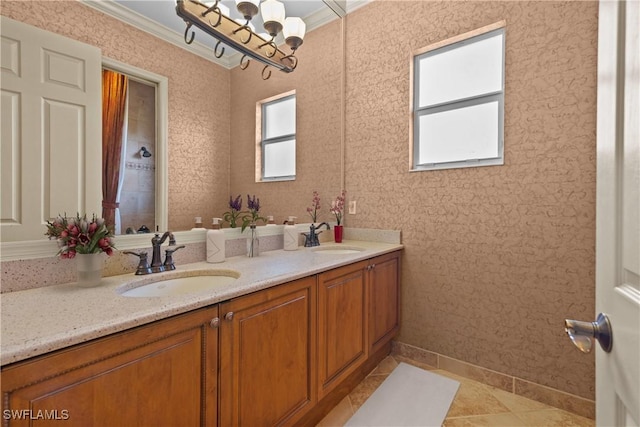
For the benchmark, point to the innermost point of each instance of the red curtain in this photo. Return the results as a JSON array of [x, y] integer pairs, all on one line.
[[114, 91]]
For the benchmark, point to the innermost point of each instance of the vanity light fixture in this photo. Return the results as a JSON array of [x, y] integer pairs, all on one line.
[[213, 19]]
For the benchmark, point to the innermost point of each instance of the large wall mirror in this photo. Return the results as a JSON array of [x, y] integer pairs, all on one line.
[[135, 158]]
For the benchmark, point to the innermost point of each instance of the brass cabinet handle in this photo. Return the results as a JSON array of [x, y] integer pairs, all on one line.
[[215, 322], [229, 316]]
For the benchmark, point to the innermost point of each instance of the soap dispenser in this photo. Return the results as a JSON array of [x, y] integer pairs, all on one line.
[[290, 234], [215, 242]]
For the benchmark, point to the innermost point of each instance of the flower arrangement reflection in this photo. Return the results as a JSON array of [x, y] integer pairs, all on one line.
[[337, 206], [315, 207], [80, 235], [253, 215], [235, 210]]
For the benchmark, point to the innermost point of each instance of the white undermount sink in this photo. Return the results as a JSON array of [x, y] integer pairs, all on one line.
[[337, 249], [179, 283]]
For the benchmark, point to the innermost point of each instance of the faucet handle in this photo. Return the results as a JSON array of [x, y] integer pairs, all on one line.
[[168, 260], [143, 265], [141, 254]]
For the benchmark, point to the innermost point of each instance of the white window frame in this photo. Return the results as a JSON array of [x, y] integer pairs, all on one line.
[[263, 141], [484, 98]]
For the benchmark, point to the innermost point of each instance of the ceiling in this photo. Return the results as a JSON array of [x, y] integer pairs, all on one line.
[[159, 18]]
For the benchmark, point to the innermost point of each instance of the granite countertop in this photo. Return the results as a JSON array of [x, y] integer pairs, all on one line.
[[37, 321]]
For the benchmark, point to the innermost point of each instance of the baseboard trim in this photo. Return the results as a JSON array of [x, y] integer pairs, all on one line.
[[538, 392]]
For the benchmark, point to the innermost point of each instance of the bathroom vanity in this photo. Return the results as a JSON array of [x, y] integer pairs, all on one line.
[[280, 346]]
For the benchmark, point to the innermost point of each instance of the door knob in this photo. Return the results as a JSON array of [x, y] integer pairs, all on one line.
[[582, 334]]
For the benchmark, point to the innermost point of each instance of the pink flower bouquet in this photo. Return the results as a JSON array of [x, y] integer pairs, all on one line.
[[79, 235]]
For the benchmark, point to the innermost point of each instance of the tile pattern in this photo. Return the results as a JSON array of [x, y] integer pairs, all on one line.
[[495, 257], [475, 404]]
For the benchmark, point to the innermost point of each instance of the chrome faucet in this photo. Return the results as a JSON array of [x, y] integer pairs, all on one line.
[[156, 261], [311, 238]]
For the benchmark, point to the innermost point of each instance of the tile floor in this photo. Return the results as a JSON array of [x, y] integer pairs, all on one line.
[[475, 404]]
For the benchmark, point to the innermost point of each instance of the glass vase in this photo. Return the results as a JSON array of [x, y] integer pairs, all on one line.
[[253, 243], [89, 269]]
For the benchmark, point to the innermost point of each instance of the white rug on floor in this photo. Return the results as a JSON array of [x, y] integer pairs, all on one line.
[[410, 396]]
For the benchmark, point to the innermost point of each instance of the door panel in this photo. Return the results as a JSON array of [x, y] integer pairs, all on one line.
[[617, 215], [384, 294], [267, 361], [52, 87], [342, 324]]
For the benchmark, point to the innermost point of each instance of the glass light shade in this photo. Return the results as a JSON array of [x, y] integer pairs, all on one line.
[[293, 31], [224, 9], [294, 27], [272, 16], [272, 10]]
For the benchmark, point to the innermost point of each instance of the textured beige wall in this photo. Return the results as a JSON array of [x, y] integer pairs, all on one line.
[[198, 137], [496, 257], [317, 82]]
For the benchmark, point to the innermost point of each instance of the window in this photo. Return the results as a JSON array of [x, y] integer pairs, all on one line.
[[278, 138], [458, 102]]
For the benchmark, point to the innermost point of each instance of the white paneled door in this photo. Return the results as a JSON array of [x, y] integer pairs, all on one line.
[[617, 215], [51, 112]]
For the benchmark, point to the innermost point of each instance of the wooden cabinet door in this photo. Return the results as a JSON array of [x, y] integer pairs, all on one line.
[[267, 358], [342, 326], [384, 299], [156, 375]]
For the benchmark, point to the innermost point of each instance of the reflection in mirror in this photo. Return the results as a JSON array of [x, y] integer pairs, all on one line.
[[135, 201], [140, 205], [137, 192], [159, 156]]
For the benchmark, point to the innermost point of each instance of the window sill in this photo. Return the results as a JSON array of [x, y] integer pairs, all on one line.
[[278, 179]]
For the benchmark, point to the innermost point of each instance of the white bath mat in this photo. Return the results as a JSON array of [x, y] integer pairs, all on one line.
[[410, 396]]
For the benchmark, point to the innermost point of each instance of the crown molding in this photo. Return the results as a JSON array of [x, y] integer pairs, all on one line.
[[128, 16], [231, 60]]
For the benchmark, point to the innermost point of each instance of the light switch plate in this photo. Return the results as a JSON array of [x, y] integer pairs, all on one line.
[[352, 207]]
